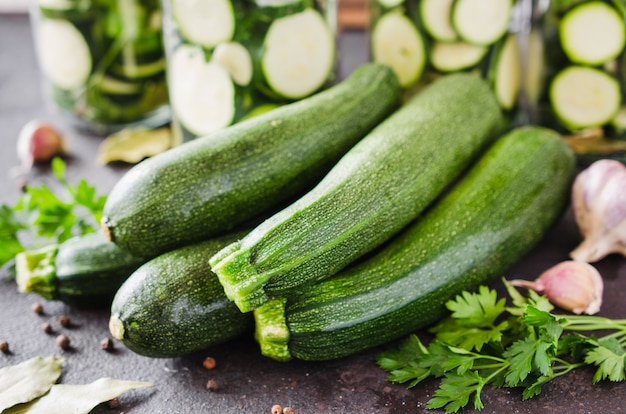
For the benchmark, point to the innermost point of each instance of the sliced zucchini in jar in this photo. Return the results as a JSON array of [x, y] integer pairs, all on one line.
[[481, 22], [134, 70], [123, 88], [389, 4], [592, 33], [452, 57], [298, 54], [398, 43], [71, 10], [64, 54], [202, 93], [619, 121], [276, 3], [236, 60], [436, 18], [583, 97], [506, 72], [535, 66], [207, 23]]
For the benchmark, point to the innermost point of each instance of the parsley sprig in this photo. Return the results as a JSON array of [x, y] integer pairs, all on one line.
[[484, 342], [42, 215]]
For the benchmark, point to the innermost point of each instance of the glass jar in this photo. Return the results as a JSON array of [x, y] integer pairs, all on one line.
[[229, 60], [425, 39], [578, 48], [102, 61]]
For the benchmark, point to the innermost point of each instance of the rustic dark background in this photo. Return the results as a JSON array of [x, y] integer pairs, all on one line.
[[248, 382]]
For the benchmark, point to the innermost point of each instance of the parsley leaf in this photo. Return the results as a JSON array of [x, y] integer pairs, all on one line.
[[455, 391], [483, 342], [43, 216], [610, 357], [10, 226], [472, 323]]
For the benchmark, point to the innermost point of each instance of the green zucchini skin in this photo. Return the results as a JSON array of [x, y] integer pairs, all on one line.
[[376, 189], [499, 211], [215, 183], [174, 305], [84, 271]]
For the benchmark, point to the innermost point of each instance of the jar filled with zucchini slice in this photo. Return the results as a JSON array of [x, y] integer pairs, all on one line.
[[103, 61], [580, 46], [229, 60], [425, 39]]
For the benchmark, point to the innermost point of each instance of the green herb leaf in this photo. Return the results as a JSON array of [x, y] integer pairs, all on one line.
[[404, 363], [534, 316], [482, 343], [42, 216], [28, 380], [610, 357], [477, 309], [534, 389], [472, 322], [521, 355], [10, 226], [455, 391]]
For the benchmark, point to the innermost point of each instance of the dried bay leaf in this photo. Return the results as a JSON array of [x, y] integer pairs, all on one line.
[[132, 145], [28, 380], [78, 399], [593, 141]]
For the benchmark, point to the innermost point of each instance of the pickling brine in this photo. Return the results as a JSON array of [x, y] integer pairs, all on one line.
[[102, 61], [229, 60]]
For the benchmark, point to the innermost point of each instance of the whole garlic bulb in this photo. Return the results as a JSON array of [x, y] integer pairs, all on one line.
[[599, 206]]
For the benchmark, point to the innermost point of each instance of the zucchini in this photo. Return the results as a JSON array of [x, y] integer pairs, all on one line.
[[481, 22], [298, 54], [207, 23], [505, 72], [236, 59], [215, 183], [488, 221], [380, 185], [397, 42], [174, 305], [583, 97], [456, 56], [592, 33], [389, 4], [436, 19], [64, 54], [84, 271], [202, 93]]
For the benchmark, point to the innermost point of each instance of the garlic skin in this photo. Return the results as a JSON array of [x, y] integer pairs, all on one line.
[[599, 206], [572, 286], [37, 142]]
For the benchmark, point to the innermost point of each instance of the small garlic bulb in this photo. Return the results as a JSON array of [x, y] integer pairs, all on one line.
[[599, 206], [573, 286]]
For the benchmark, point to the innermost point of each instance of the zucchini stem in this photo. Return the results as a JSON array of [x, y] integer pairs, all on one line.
[[36, 271]]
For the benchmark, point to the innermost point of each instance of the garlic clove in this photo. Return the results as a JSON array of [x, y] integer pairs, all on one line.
[[573, 286], [37, 142], [599, 206]]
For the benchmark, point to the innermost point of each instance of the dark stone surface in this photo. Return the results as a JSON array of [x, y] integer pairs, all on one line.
[[247, 382]]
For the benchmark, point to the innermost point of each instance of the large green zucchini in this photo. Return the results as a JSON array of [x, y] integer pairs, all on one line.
[[213, 184], [174, 305], [500, 210], [376, 189], [83, 271]]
